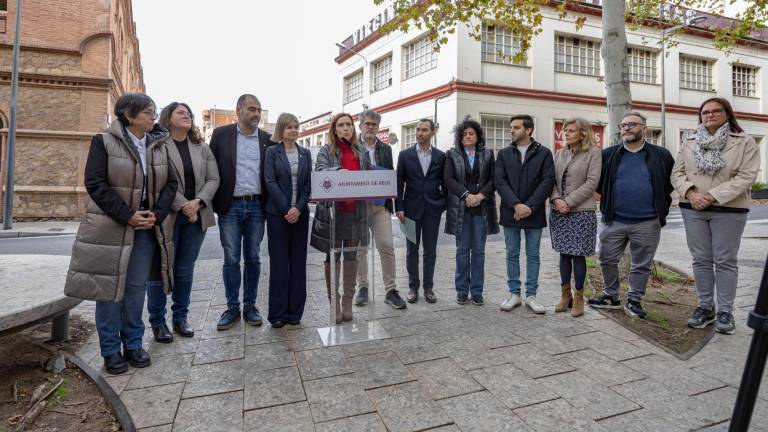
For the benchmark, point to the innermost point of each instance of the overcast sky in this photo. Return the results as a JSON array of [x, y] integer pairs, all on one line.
[[208, 53]]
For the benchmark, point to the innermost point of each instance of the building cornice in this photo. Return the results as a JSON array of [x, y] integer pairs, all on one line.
[[57, 81], [39, 133], [26, 47], [497, 90], [584, 8]]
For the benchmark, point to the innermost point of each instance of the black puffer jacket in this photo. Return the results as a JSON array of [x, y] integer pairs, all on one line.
[[529, 183], [455, 180]]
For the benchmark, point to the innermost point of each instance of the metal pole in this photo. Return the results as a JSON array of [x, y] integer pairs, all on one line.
[[663, 94], [11, 153], [755, 365]]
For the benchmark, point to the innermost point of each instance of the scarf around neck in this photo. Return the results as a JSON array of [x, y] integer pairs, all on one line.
[[707, 154]]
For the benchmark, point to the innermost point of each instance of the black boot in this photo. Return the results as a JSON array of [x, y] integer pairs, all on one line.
[[183, 328], [162, 334], [115, 364]]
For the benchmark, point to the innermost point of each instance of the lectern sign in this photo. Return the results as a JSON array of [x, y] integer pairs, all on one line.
[[341, 185]]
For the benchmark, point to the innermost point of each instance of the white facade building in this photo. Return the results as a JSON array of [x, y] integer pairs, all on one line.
[[404, 79]]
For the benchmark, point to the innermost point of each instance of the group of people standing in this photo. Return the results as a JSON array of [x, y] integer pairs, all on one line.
[[154, 189]]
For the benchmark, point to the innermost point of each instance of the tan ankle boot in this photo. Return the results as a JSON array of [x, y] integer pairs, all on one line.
[[565, 299], [349, 278], [578, 304]]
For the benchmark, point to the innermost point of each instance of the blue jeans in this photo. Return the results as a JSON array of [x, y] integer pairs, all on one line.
[[242, 229], [121, 322], [187, 239], [532, 243], [470, 256]]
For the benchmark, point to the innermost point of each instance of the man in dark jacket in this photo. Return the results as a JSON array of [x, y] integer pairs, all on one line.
[[525, 176], [239, 149], [421, 197], [635, 187]]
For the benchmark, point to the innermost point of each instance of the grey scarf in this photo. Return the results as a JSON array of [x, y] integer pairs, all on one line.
[[707, 151]]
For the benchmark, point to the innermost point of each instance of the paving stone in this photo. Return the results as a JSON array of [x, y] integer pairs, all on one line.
[[443, 378], [379, 370], [471, 355], [201, 295], [481, 412], [118, 382], [678, 378], [611, 347], [265, 334], [406, 407], [639, 421], [665, 402], [180, 345], [321, 363], [272, 387], [600, 368], [304, 339], [557, 415], [222, 412], [532, 361], [361, 423], [513, 387], [152, 406], [163, 370], [418, 348], [163, 428], [556, 345], [588, 395], [214, 378], [294, 417], [337, 397], [368, 347], [219, 349], [268, 356], [449, 428]]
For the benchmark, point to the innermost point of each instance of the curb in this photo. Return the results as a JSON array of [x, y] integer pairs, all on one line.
[[25, 234]]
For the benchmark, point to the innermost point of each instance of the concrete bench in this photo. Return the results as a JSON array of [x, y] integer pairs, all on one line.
[[32, 292]]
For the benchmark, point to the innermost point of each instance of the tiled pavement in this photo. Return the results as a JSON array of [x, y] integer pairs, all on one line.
[[445, 368]]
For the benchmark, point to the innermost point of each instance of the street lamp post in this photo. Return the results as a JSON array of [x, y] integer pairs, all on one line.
[[664, 33], [11, 156]]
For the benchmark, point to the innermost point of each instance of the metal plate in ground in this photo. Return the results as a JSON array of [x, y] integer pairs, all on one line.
[[352, 332]]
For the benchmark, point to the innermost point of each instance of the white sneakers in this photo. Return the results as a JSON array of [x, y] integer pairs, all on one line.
[[534, 305], [515, 300], [510, 302]]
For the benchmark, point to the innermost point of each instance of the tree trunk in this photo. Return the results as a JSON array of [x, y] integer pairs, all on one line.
[[614, 53]]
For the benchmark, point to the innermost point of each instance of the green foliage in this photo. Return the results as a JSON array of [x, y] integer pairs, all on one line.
[[62, 392], [591, 262], [759, 186], [524, 17]]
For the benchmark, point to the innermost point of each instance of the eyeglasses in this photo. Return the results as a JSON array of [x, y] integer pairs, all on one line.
[[630, 125], [712, 112], [150, 113]]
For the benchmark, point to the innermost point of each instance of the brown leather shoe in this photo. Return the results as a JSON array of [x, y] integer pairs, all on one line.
[[578, 304], [429, 295], [566, 299], [413, 296]]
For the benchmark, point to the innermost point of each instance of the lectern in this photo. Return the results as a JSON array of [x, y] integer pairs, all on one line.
[[339, 191]]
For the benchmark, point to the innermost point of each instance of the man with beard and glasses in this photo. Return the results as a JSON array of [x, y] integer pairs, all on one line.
[[635, 187], [379, 156]]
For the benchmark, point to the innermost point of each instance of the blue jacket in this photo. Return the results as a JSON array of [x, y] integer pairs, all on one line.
[[277, 176], [417, 193]]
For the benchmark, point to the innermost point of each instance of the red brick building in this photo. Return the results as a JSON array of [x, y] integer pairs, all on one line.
[[77, 57]]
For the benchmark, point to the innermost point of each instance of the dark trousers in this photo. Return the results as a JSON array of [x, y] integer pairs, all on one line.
[[427, 230], [287, 267]]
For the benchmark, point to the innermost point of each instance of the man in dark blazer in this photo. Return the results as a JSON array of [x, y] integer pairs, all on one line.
[[239, 202], [421, 197]]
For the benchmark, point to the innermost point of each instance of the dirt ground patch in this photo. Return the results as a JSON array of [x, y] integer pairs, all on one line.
[[75, 406], [669, 301]]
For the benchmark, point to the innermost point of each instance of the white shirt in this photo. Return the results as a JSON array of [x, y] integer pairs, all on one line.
[[425, 158], [141, 146], [523, 151], [372, 153]]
